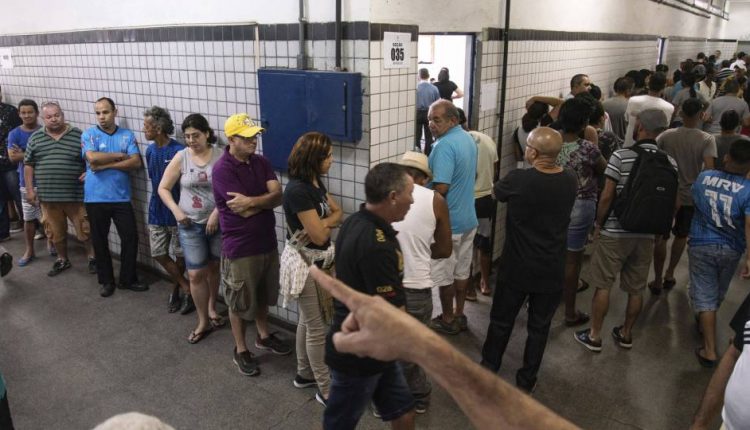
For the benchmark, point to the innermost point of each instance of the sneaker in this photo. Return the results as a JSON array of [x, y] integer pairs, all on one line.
[[620, 339], [273, 344], [440, 326], [92, 266], [463, 322], [16, 229], [319, 397], [375, 412], [246, 363], [59, 267], [420, 406], [6, 263], [301, 382], [138, 287], [39, 235], [106, 290], [582, 337]]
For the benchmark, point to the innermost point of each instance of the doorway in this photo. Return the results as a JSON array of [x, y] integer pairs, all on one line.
[[454, 52]]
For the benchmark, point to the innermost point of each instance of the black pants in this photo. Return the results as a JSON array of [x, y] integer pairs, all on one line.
[[423, 125], [100, 217], [505, 306], [9, 192], [5, 422]]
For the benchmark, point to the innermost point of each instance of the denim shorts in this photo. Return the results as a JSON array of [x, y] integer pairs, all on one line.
[[581, 220], [198, 247], [350, 395], [711, 270]]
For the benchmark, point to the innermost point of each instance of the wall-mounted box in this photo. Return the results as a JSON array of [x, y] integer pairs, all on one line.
[[293, 102]]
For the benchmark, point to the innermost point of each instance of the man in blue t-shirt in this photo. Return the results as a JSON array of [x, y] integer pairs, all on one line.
[[162, 226], [110, 153], [453, 161], [717, 240]]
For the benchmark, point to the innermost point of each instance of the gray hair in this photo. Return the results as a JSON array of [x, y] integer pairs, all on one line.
[[161, 118], [51, 103]]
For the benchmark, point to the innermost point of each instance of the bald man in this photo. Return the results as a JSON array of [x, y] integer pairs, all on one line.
[[539, 201]]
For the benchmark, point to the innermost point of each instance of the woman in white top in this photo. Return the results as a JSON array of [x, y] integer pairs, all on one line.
[[197, 218]]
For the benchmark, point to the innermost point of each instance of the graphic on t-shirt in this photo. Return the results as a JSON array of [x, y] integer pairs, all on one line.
[[197, 202], [202, 177]]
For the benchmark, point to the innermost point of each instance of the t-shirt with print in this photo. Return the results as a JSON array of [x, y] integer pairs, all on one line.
[[722, 104], [108, 185], [736, 414], [687, 146], [581, 156], [722, 201], [157, 160], [196, 189], [538, 214], [618, 169], [369, 259], [300, 196], [19, 138]]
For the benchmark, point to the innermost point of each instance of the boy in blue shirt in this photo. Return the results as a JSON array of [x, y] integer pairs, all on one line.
[[110, 153], [717, 240]]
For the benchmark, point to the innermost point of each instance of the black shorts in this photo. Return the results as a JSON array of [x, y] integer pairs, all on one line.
[[484, 206], [682, 221]]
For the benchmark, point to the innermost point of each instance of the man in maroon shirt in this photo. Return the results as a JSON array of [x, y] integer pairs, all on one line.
[[246, 190]]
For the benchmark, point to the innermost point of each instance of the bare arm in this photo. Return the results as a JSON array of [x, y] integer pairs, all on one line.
[[168, 181], [488, 401], [457, 94], [605, 201], [443, 246], [591, 135], [333, 220], [132, 162], [242, 204], [316, 230], [15, 154], [441, 188], [552, 101], [96, 158], [746, 266], [713, 398], [28, 177], [708, 163]]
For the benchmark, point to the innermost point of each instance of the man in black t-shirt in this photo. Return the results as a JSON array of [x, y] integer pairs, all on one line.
[[368, 258], [539, 201], [730, 382]]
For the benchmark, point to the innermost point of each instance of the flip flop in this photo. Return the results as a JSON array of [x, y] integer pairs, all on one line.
[[486, 292], [581, 318], [668, 284], [703, 361], [655, 291], [24, 261], [218, 322], [197, 337]]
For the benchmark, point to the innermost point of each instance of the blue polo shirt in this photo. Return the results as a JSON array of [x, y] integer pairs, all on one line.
[[721, 201], [453, 161], [157, 160], [108, 185], [19, 138]]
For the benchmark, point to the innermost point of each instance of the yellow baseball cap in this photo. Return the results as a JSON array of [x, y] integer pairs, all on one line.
[[240, 124]]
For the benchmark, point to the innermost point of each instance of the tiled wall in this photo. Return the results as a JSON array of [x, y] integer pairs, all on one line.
[[212, 70], [678, 49]]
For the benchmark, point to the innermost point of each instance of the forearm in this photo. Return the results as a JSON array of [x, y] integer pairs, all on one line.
[[96, 158], [713, 398], [132, 163], [486, 399], [28, 175], [165, 194], [266, 201], [602, 211]]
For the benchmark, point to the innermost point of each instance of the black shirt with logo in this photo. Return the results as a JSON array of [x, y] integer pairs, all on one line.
[[741, 325], [368, 259], [301, 196]]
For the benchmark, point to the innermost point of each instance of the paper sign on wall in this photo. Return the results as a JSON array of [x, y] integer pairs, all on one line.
[[396, 50], [488, 96], [6, 61]]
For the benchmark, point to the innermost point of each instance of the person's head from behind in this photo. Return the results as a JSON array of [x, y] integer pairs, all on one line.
[[657, 82], [729, 121], [424, 74], [701, 57], [624, 86], [725, 64], [444, 75], [310, 157], [731, 86], [717, 53], [579, 83], [650, 123], [543, 144], [388, 191], [737, 160], [691, 109], [533, 116], [637, 78], [53, 117], [462, 119], [662, 68], [443, 116], [29, 112], [198, 134], [417, 166], [595, 92], [574, 115], [157, 122]]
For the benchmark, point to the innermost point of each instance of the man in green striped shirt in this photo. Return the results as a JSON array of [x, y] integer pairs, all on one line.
[[53, 163]]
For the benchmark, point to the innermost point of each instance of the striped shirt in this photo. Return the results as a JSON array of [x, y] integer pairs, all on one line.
[[57, 165], [618, 169]]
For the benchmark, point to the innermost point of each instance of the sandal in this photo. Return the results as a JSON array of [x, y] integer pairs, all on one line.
[[668, 284], [196, 337], [217, 322], [580, 319], [23, 261], [703, 361], [655, 291]]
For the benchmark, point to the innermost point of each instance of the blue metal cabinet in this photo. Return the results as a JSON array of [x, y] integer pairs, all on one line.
[[293, 102]]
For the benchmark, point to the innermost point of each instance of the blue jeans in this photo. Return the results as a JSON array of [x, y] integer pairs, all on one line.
[[197, 246], [711, 270], [350, 395], [581, 220]]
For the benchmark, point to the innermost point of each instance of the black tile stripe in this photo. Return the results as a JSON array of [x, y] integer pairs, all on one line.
[[526, 34], [687, 39]]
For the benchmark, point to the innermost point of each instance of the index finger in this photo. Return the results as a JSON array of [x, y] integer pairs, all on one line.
[[342, 292]]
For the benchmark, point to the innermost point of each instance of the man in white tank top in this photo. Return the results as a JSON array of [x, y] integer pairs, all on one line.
[[424, 234]]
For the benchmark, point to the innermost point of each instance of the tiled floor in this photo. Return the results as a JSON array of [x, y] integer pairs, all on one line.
[[71, 359]]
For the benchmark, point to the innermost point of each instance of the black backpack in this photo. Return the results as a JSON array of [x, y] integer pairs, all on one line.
[[646, 202]]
